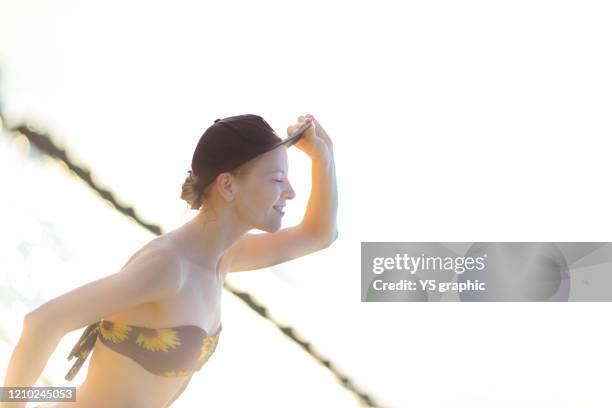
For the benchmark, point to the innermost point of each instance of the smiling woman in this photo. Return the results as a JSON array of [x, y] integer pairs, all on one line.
[[157, 321]]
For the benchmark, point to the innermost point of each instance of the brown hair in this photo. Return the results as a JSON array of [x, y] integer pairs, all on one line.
[[190, 191]]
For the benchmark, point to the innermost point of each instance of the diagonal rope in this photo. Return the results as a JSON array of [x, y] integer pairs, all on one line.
[[292, 334], [45, 144]]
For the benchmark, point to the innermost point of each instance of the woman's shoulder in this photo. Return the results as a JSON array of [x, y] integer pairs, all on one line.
[[162, 246], [158, 257]]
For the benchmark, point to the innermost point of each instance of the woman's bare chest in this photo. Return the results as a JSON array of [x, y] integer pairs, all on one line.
[[198, 303]]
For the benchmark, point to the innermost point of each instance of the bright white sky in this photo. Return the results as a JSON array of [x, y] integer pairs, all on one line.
[[451, 121]]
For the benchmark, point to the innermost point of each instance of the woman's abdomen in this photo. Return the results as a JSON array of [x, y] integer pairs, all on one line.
[[117, 380]]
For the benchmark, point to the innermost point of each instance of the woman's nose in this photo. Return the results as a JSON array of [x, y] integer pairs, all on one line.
[[289, 193]]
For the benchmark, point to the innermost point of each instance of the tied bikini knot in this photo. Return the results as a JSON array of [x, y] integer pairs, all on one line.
[[82, 348]]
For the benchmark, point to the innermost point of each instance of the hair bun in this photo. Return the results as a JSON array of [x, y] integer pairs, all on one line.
[[190, 191]]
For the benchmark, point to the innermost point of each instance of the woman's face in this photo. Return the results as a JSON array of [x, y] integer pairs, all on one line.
[[263, 186]]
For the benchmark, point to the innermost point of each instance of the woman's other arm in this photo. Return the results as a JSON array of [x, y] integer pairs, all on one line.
[[152, 275], [29, 357]]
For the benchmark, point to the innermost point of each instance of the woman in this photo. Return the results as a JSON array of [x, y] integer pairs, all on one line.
[[158, 320]]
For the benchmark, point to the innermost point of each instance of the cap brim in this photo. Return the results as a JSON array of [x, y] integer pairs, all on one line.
[[297, 135]]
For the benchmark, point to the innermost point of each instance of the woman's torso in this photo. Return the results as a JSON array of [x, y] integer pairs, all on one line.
[[116, 380]]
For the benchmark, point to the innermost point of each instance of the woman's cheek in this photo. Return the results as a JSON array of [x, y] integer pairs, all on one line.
[[262, 200]]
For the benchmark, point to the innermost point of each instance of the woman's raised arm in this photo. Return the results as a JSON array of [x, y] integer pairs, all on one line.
[[154, 273]]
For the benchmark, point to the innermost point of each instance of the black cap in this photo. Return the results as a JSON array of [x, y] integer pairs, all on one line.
[[230, 142]]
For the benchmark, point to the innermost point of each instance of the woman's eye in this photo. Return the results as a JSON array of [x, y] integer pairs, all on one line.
[[279, 181]]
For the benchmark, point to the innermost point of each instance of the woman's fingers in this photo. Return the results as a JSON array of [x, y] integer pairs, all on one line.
[[321, 132], [302, 120]]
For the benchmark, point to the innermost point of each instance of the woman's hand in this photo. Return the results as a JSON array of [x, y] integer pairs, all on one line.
[[315, 142]]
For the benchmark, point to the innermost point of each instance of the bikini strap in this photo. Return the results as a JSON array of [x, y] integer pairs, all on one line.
[[82, 348]]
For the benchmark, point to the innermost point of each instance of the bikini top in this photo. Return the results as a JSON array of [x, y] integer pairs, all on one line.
[[167, 352]]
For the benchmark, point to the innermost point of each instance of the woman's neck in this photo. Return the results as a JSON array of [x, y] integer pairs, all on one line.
[[207, 236]]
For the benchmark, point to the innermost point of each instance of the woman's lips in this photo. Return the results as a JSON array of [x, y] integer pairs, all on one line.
[[279, 209]]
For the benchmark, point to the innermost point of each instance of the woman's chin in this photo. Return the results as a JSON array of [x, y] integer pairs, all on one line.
[[272, 226], [273, 229]]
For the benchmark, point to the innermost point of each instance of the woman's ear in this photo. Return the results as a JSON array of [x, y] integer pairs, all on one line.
[[226, 186]]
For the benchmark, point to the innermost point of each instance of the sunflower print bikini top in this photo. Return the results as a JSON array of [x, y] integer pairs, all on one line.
[[167, 352]]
